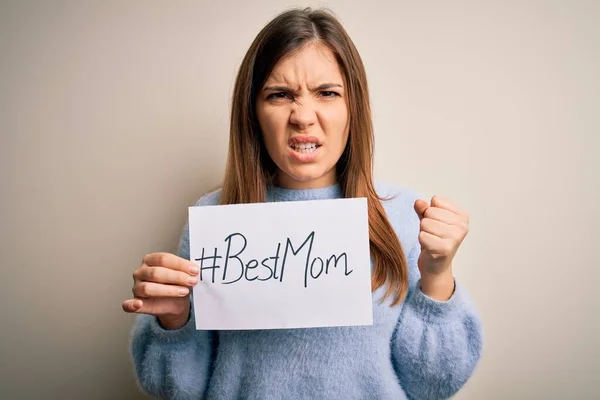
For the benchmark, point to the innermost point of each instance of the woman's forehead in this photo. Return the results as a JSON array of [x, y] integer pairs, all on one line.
[[311, 66]]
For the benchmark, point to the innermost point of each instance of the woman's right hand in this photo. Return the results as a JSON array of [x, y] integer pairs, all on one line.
[[161, 287]]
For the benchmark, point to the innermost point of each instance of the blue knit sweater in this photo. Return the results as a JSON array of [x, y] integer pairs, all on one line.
[[419, 349]]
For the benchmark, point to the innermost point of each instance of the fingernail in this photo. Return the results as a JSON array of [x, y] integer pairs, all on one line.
[[193, 280], [194, 269], [136, 306], [183, 292]]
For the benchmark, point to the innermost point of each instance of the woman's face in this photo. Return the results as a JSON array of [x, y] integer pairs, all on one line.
[[303, 114]]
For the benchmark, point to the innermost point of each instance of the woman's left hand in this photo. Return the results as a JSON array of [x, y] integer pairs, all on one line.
[[443, 228]]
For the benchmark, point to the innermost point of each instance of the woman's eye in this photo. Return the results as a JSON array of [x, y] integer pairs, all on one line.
[[328, 93], [278, 95]]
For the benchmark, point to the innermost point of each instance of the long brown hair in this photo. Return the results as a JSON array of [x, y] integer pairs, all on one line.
[[249, 168]]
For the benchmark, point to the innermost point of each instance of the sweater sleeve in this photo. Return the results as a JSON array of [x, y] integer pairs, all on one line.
[[437, 344], [172, 364]]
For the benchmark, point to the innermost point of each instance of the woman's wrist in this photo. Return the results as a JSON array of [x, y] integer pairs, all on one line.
[[440, 286], [172, 323]]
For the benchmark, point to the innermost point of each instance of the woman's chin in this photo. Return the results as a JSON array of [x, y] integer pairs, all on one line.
[[306, 176]]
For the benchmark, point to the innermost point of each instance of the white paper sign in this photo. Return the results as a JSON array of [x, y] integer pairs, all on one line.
[[277, 265]]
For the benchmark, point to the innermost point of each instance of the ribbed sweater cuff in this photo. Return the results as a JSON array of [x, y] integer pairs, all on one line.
[[435, 311], [174, 335]]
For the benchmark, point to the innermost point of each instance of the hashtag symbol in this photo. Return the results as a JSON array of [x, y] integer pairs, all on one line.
[[212, 267]]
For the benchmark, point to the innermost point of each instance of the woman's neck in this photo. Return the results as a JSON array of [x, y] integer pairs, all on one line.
[[286, 182]]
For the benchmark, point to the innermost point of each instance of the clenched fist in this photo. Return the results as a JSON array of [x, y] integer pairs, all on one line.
[[443, 228]]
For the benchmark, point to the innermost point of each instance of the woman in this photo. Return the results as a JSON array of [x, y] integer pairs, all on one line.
[[301, 129]]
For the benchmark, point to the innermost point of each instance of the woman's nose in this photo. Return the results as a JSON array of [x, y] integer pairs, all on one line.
[[303, 114]]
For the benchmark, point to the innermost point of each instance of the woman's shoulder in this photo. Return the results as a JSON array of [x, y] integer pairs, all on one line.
[[211, 198], [398, 202], [396, 196]]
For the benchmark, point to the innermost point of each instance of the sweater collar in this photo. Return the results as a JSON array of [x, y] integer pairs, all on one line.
[[275, 193]]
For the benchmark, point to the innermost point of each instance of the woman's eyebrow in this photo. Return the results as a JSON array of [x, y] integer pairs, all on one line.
[[323, 86], [279, 88], [326, 86]]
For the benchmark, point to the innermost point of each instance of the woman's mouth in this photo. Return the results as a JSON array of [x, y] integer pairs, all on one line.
[[305, 148]]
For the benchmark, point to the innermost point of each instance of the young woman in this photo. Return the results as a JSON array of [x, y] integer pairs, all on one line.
[[301, 129]]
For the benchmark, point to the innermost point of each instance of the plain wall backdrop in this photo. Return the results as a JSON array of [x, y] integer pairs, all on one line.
[[114, 119]]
